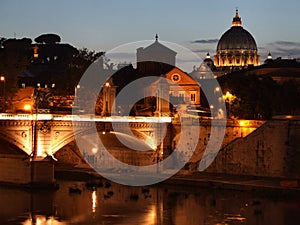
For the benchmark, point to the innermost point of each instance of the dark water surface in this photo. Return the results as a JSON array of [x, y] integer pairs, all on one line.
[[117, 204]]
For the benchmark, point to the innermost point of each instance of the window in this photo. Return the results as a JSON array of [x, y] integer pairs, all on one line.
[[193, 97], [181, 94]]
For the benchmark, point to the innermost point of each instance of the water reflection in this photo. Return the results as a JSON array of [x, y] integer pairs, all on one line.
[[94, 201], [75, 203], [42, 220]]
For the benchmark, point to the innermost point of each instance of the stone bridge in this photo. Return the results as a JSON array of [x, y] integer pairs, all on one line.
[[41, 135], [44, 134]]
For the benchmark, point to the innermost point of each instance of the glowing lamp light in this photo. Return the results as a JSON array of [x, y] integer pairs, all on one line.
[[27, 107], [94, 201], [94, 150], [243, 123], [228, 97], [107, 84], [2, 78], [35, 52]]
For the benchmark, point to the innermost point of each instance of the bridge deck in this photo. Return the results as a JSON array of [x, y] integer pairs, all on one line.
[[87, 118]]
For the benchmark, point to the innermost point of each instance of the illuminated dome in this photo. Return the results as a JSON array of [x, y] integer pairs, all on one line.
[[236, 38], [236, 47]]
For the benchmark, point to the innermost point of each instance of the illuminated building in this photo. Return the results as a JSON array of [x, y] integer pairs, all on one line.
[[236, 47], [172, 83]]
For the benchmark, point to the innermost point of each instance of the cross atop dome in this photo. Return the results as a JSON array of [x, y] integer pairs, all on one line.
[[237, 22]]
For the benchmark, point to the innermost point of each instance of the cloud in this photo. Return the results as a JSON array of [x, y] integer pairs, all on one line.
[[205, 41], [262, 48], [284, 49], [204, 51], [288, 52], [286, 43]]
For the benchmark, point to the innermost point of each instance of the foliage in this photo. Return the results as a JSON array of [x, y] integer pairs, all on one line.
[[2, 40], [260, 97], [47, 39]]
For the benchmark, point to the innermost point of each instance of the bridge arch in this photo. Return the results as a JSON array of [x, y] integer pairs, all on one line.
[[52, 135], [18, 133], [8, 148]]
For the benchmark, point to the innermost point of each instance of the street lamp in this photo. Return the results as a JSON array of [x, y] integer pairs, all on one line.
[[229, 99], [2, 79], [75, 94]]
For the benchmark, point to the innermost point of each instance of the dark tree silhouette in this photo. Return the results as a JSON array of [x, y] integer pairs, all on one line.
[[2, 40], [14, 59], [260, 97], [47, 39]]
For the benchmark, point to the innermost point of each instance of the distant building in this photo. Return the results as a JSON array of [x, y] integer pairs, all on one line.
[[202, 72], [180, 89], [155, 59], [158, 60], [280, 70], [236, 47]]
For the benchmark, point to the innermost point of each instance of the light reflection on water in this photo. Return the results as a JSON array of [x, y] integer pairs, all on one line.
[[42, 220], [117, 204]]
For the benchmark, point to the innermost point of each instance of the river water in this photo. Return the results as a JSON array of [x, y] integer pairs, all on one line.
[[75, 203]]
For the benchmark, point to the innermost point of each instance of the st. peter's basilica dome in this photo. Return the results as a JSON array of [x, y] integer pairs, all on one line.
[[236, 47]]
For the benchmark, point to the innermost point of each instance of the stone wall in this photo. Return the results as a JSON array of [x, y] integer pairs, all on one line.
[[235, 129], [15, 169], [273, 150]]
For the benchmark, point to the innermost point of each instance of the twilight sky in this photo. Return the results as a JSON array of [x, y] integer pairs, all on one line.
[[102, 25]]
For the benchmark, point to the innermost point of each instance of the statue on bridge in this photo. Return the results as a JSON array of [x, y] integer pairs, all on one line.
[[42, 100]]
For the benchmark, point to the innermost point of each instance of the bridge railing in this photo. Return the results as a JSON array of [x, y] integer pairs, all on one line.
[[87, 117], [133, 119], [9, 116]]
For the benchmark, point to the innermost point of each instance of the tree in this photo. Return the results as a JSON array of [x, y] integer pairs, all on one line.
[[2, 40], [260, 97], [47, 39], [80, 62], [14, 60]]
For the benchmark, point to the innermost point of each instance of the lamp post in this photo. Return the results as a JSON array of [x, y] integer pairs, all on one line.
[[3, 80], [34, 125], [75, 94]]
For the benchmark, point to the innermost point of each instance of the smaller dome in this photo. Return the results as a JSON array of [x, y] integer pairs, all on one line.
[[208, 58]]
